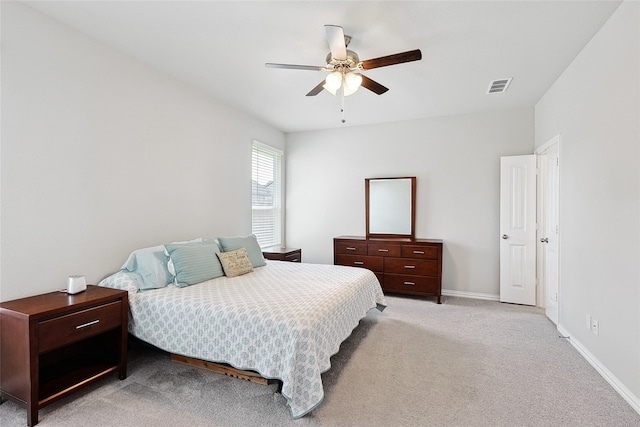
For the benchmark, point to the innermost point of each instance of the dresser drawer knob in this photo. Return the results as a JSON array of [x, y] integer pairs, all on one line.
[[410, 267], [351, 249], [409, 283], [84, 325], [418, 252], [383, 250]]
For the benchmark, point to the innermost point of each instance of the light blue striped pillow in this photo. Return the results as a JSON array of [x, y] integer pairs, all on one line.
[[194, 262], [250, 243]]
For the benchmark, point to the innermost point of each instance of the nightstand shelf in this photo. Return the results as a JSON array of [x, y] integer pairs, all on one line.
[[55, 344]]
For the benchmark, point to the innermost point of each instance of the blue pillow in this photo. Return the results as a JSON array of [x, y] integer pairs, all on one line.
[[250, 243], [151, 266], [194, 262]]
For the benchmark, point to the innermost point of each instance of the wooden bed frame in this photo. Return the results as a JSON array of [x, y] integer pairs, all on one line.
[[224, 369]]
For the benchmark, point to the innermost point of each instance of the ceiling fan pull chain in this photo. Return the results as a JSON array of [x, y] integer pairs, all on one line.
[[342, 102]]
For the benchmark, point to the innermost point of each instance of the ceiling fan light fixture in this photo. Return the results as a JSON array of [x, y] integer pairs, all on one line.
[[348, 91], [329, 89], [353, 81], [334, 81]]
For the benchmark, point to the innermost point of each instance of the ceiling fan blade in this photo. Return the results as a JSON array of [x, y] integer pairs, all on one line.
[[295, 67], [398, 58], [335, 38], [316, 90], [373, 86]]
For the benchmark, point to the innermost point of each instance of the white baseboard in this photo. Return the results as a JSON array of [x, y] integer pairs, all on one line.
[[623, 391], [474, 295]]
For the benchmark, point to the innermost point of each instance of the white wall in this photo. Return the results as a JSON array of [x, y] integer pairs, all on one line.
[[456, 161], [595, 106], [102, 154]]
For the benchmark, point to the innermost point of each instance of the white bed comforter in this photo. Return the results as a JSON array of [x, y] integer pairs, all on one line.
[[284, 320]]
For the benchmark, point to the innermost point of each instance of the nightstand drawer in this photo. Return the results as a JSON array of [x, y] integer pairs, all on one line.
[[80, 325], [293, 256], [278, 253]]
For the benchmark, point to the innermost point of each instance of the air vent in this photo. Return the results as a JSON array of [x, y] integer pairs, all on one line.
[[499, 86]]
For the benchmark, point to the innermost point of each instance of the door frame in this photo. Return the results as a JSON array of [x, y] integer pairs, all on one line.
[[540, 249]]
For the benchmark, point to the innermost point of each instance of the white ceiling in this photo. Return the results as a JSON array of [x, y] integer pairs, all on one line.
[[220, 47]]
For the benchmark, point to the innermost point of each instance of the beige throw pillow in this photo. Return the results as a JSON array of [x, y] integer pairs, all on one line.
[[235, 263]]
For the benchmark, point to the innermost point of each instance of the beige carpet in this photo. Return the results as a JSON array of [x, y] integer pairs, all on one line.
[[463, 363]]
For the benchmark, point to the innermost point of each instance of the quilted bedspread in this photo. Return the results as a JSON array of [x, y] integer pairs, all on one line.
[[284, 320]]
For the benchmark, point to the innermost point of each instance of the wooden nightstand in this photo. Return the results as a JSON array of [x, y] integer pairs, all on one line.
[[276, 253], [56, 343]]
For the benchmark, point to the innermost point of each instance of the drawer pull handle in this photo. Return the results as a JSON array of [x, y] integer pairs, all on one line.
[[294, 260], [409, 283], [358, 262], [351, 249], [84, 325], [410, 267], [418, 252], [383, 250]]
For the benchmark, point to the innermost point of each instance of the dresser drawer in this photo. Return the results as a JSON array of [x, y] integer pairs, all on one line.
[[80, 325], [383, 249], [372, 263], [420, 267], [410, 284], [415, 251], [351, 247]]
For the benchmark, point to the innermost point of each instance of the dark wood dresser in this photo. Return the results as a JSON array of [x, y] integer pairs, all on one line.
[[402, 265], [54, 344]]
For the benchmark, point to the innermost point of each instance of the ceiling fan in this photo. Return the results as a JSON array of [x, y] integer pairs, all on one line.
[[345, 68]]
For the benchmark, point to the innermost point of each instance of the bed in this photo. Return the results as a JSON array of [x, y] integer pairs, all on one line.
[[282, 320]]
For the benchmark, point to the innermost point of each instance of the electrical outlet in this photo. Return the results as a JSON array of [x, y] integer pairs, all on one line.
[[588, 324], [595, 327]]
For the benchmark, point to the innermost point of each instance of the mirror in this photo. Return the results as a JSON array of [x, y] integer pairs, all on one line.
[[390, 205]]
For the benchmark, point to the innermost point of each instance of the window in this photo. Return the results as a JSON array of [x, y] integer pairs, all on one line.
[[266, 197]]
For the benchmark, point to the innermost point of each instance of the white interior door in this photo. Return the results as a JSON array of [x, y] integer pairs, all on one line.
[[518, 229], [548, 233]]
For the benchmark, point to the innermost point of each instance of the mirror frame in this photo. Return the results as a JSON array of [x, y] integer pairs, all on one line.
[[413, 209]]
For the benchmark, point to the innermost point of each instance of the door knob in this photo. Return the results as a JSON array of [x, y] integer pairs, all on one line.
[[504, 236], [544, 240]]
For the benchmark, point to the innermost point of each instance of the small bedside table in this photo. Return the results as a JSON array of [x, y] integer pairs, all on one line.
[[54, 344], [277, 253]]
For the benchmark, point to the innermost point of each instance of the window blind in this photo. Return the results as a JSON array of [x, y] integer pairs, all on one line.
[[266, 196]]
